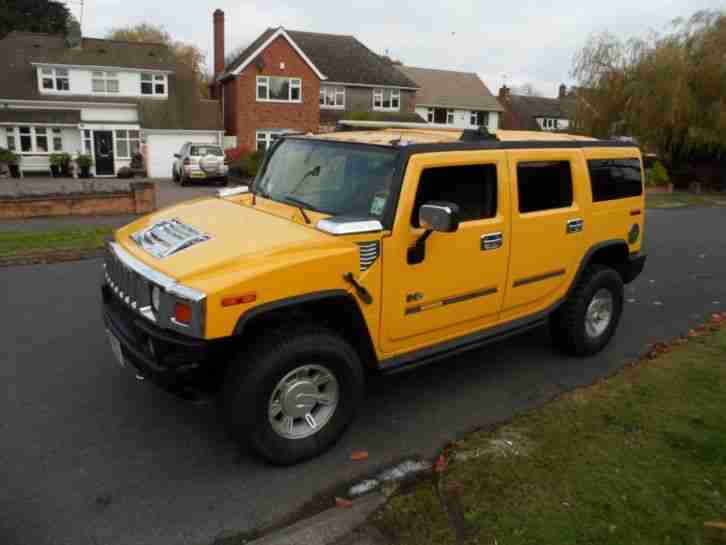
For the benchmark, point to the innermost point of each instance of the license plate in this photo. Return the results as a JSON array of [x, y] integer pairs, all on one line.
[[198, 175], [116, 348]]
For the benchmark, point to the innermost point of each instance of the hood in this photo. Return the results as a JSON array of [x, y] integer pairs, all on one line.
[[230, 237]]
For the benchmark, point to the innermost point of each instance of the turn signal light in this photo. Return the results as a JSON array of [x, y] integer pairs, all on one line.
[[239, 299], [182, 313]]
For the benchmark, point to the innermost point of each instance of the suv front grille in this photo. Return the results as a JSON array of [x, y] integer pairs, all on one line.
[[129, 286], [369, 252]]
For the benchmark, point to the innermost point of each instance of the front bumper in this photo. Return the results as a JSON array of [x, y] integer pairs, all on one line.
[[635, 265], [188, 368]]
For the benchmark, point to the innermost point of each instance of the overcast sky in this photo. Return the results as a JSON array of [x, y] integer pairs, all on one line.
[[528, 41]]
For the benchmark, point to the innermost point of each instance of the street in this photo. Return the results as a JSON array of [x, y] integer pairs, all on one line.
[[90, 455]]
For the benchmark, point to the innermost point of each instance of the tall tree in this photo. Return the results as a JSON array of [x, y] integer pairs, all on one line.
[[185, 53], [33, 16]]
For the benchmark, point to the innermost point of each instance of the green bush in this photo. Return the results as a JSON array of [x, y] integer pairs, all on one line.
[[657, 175], [84, 160], [59, 159], [7, 156], [247, 165]]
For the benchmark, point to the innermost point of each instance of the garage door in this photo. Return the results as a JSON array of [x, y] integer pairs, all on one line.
[[161, 148]]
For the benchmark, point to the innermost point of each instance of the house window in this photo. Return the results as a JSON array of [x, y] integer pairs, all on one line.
[[332, 97], [127, 143], [386, 99], [265, 139], [57, 139], [11, 138], [479, 119], [472, 187], [54, 79], [440, 116], [544, 185], [277, 89], [153, 84], [41, 140], [87, 142], [104, 82], [449, 117], [549, 124]]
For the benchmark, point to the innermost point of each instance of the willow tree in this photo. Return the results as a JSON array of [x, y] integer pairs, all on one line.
[[668, 91]]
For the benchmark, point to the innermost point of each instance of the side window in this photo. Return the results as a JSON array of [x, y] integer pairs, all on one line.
[[544, 185], [472, 187], [615, 179]]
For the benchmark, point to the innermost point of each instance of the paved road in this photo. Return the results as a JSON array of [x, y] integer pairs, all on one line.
[[88, 455]]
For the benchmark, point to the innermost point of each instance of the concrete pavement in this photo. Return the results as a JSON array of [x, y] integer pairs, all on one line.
[[89, 455]]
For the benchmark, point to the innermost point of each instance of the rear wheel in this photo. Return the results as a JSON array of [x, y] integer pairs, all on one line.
[[587, 320], [292, 395]]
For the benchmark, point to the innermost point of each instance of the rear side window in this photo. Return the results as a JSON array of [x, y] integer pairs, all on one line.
[[544, 185], [200, 151], [615, 179], [472, 187]]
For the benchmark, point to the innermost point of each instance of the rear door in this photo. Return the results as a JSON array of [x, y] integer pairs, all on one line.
[[548, 227], [458, 287]]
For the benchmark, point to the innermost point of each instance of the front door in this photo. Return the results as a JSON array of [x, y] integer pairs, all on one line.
[[103, 153], [459, 285]]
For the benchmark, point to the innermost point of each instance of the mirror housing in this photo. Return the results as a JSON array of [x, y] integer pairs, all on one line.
[[439, 216], [177, 156]]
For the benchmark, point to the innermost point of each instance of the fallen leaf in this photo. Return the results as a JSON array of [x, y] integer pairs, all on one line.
[[359, 455], [343, 503]]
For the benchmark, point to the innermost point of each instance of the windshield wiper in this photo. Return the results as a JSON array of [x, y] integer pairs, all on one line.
[[300, 204]]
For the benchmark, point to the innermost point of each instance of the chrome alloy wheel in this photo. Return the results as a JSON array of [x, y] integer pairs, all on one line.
[[599, 313], [303, 402]]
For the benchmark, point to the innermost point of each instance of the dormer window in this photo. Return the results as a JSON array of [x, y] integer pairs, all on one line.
[[153, 84], [105, 82], [54, 79]]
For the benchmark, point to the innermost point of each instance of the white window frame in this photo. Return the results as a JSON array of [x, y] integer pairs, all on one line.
[[430, 115], [266, 137], [105, 78], [154, 80], [124, 135], [50, 133], [263, 82], [55, 75], [379, 96], [450, 117], [473, 118], [87, 142], [332, 97]]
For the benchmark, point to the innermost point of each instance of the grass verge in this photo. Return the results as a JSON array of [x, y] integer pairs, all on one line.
[[679, 199], [637, 458], [14, 245]]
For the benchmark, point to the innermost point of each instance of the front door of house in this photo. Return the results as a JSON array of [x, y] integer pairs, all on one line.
[[103, 153]]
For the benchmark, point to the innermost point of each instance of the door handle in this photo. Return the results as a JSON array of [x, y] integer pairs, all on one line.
[[492, 241], [575, 226]]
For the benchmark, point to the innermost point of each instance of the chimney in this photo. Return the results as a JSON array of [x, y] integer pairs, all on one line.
[[218, 42], [505, 93], [563, 91]]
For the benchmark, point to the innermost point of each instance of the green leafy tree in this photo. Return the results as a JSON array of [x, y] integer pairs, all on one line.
[[33, 16], [186, 54]]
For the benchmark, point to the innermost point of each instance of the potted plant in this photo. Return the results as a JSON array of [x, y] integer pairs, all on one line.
[[657, 179], [58, 162], [84, 162], [8, 160]]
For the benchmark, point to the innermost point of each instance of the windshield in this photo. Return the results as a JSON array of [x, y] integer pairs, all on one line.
[[200, 151], [328, 177]]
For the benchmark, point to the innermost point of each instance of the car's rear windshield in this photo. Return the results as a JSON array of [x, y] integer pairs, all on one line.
[[328, 177], [201, 151]]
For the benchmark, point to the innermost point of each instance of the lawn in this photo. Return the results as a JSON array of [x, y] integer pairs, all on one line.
[[678, 199], [637, 458], [19, 244]]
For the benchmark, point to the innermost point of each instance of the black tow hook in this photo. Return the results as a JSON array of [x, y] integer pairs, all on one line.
[[359, 290]]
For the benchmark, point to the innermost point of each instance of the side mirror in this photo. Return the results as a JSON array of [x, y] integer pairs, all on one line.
[[439, 216], [177, 156]]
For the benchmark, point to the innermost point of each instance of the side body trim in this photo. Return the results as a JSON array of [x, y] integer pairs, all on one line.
[[450, 300], [538, 278]]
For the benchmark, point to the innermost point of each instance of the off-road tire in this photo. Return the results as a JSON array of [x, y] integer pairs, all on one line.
[[567, 324], [256, 371]]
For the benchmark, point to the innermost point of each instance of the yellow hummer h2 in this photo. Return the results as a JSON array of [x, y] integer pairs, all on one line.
[[372, 249]]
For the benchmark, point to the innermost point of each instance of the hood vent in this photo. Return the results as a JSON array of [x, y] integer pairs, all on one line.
[[167, 237], [369, 252]]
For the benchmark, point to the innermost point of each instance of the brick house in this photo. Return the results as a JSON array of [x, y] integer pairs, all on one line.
[[524, 112], [292, 81]]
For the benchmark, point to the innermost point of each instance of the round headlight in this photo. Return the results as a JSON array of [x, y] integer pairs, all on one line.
[[155, 298]]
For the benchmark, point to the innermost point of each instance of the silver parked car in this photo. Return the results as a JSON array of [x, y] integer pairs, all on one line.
[[198, 161]]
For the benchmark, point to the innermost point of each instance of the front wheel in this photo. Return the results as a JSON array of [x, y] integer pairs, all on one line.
[[293, 394], [587, 320]]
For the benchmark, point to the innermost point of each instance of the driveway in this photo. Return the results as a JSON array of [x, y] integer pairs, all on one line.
[[89, 455]]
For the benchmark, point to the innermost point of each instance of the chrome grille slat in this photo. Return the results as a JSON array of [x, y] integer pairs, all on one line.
[[131, 288], [369, 252], [167, 237]]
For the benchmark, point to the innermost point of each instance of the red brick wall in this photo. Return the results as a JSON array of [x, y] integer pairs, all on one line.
[[244, 115]]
